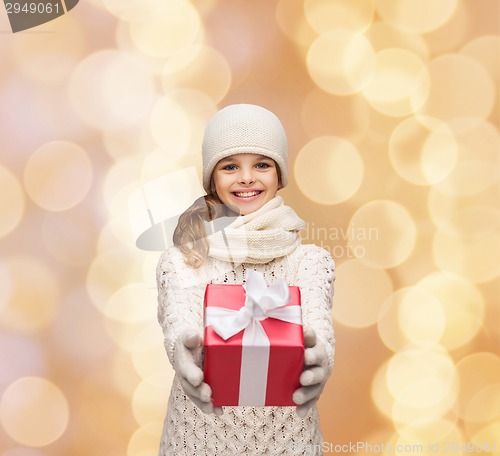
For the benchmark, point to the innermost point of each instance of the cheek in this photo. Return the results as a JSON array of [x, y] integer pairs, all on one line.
[[272, 181], [218, 181]]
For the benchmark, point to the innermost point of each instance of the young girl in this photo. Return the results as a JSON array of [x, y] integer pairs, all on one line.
[[242, 224]]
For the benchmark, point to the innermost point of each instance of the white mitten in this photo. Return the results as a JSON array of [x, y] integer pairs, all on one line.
[[315, 375], [187, 350]]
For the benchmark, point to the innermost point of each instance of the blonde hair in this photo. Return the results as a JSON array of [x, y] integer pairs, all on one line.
[[190, 236]]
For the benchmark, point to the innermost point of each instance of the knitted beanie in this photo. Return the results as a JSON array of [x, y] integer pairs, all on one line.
[[244, 128]]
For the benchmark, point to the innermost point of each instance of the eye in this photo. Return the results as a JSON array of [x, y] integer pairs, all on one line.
[[229, 167], [263, 165]]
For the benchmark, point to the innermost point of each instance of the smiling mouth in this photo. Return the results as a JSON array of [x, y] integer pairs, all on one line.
[[246, 194]]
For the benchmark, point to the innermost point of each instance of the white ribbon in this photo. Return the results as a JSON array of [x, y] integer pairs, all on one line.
[[261, 302]]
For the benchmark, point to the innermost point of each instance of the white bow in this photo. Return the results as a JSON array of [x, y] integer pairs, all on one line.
[[261, 302]]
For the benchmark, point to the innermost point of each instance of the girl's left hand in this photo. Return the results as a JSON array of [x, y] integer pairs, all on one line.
[[314, 377], [191, 376]]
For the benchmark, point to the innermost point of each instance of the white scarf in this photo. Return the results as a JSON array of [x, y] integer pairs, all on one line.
[[268, 233]]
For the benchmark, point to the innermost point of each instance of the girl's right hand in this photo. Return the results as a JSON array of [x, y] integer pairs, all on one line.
[[314, 376], [188, 348]]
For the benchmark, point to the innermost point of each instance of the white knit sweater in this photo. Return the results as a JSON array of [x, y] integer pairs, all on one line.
[[241, 430]]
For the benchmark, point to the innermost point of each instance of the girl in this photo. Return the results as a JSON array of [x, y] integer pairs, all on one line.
[[244, 165]]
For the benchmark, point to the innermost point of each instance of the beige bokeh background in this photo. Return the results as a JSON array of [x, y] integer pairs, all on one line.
[[392, 113]]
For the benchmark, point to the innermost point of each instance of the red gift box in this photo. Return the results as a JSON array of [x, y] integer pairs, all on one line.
[[243, 370]]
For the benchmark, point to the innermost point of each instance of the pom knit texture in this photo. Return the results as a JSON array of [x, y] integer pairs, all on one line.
[[241, 430]]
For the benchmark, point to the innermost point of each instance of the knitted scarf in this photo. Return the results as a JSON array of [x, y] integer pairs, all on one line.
[[268, 233]]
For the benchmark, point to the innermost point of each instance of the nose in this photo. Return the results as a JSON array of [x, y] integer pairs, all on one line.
[[246, 176]]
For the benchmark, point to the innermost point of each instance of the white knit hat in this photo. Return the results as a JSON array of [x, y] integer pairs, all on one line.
[[244, 128]]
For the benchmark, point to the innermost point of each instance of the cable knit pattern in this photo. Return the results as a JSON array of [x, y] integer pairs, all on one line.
[[241, 430]]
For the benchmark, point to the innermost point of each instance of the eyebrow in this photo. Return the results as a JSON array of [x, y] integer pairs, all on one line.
[[233, 158]]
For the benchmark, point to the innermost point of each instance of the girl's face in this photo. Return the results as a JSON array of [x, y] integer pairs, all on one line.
[[247, 181]]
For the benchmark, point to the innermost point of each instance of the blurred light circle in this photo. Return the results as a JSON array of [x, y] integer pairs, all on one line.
[[429, 435], [67, 332], [111, 90], [24, 355], [293, 24], [149, 399], [54, 64], [421, 375], [477, 259], [170, 126], [388, 326], [134, 140], [410, 315], [358, 307], [485, 49], [23, 452], [122, 226], [167, 30], [487, 438], [323, 114], [6, 281], [201, 68], [468, 218], [149, 266], [197, 109], [122, 373], [127, 304], [12, 203], [181, 60], [144, 441], [341, 62], [462, 303], [477, 160], [160, 162], [329, 170], [376, 441], [240, 44], [384, 36], [58, 175], [119, 226], [129, 10], [124, 334], [421, 317], [419, 16], [477, 371], [148, 354], [152, 65], [399, 85], [380, 394], [34, 295], [104, 277], [404, 415], [122, 9], [485, 405], [69, 236], [325, 15], [101, 411], [423, 153], [450, 97], [119, 183], [382, 234], [34, 412], [50, 115]]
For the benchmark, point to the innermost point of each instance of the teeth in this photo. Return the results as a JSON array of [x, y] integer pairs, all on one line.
[[246, 194]]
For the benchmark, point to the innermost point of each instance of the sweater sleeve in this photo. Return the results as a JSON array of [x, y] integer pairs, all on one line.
[[180, 305], [315, 277]]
